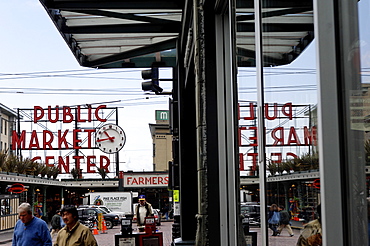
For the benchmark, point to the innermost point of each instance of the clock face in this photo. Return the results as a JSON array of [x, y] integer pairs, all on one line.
[[110, 138]]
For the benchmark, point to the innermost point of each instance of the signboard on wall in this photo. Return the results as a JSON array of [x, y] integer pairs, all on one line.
[[139, 180]]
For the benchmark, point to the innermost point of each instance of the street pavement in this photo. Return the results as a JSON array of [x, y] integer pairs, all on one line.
[[166, 227], [106, 239]]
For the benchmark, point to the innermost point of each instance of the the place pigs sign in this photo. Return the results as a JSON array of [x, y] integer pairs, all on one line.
[[66, 139]]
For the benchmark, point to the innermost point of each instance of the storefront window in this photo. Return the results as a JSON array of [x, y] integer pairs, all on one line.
[[290, 120]]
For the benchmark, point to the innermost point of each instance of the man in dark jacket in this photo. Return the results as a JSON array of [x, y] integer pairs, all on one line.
[[284, 221], [55, 225]]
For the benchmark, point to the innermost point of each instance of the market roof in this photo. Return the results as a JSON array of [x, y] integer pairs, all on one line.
[[143, 33]]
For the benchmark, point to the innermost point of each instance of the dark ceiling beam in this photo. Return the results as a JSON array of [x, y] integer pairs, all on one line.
[[276, 4], [125, 16], [113, 4], [276, 27], [274, 13], [268, 61], [161, 46], [124, 28]]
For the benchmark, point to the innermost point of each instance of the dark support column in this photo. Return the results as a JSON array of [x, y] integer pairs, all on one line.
[[187, 159]]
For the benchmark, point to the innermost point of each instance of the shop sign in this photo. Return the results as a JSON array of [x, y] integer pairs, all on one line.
[[145, 180], [16, 188]]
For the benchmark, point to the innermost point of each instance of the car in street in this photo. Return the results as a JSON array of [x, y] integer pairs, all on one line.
[[252, 212], [105, 209], [111, 219]]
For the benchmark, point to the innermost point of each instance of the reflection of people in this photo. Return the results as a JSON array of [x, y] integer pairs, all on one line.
[[30, 230], [55, 225], [311, 234], [142, 210], [74, 233], [273, 219], [284, 221]]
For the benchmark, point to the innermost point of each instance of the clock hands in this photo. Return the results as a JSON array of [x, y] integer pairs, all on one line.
[[109, 137], [104, 139]]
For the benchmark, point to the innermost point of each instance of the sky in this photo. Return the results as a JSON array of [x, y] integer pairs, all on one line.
[[38, 69]]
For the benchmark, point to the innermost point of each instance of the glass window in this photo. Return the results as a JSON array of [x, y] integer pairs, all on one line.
[[289, 94]]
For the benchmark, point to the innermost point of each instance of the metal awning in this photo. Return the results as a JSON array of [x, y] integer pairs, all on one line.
[[142, 33], [119, 33]]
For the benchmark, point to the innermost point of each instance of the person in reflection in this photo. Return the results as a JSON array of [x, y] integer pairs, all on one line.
[[284, 221], [30, 230], [273, 219], [311, 234]]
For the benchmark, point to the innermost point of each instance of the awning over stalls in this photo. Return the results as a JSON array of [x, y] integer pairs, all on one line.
[[142, 33]]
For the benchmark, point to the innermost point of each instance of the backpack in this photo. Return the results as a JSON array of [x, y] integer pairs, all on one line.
[[275, 218]]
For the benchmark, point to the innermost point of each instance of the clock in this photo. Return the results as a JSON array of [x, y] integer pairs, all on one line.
[[110, 138]]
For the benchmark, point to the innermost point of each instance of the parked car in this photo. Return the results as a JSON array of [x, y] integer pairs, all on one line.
[[252, 211], [111, 219], [105, 209]]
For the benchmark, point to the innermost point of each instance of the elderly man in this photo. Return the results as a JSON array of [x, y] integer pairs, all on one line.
[[142, 210], [30, 230], [74, 233]]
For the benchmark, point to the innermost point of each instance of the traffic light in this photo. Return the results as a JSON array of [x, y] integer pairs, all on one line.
[[153, 84]]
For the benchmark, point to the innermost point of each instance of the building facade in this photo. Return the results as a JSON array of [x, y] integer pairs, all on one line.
[[162, 140], [8, 120]]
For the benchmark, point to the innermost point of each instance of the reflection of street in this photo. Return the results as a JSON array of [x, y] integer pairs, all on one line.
[[283, 240]]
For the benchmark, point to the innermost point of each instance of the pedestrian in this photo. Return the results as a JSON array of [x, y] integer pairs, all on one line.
[[56, 225], [30, 230], [166, 210], [142, 210], [312, 234], [74, 233], [274, 219], [284, 221]]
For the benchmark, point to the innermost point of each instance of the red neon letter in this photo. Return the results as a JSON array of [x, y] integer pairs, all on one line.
[[47, 142], [91, 163], [288, 113], [267, 112], [47, 158], [63, 164], [37, 117], [62, 139], [18, 142], [97, 113], [293, 137], [34, 142], [78, 117], [278, 140], [67, 112], [56, 114], [103, 159], [75, 139]]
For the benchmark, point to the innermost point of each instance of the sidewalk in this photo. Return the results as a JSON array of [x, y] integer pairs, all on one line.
[[6, 236]]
